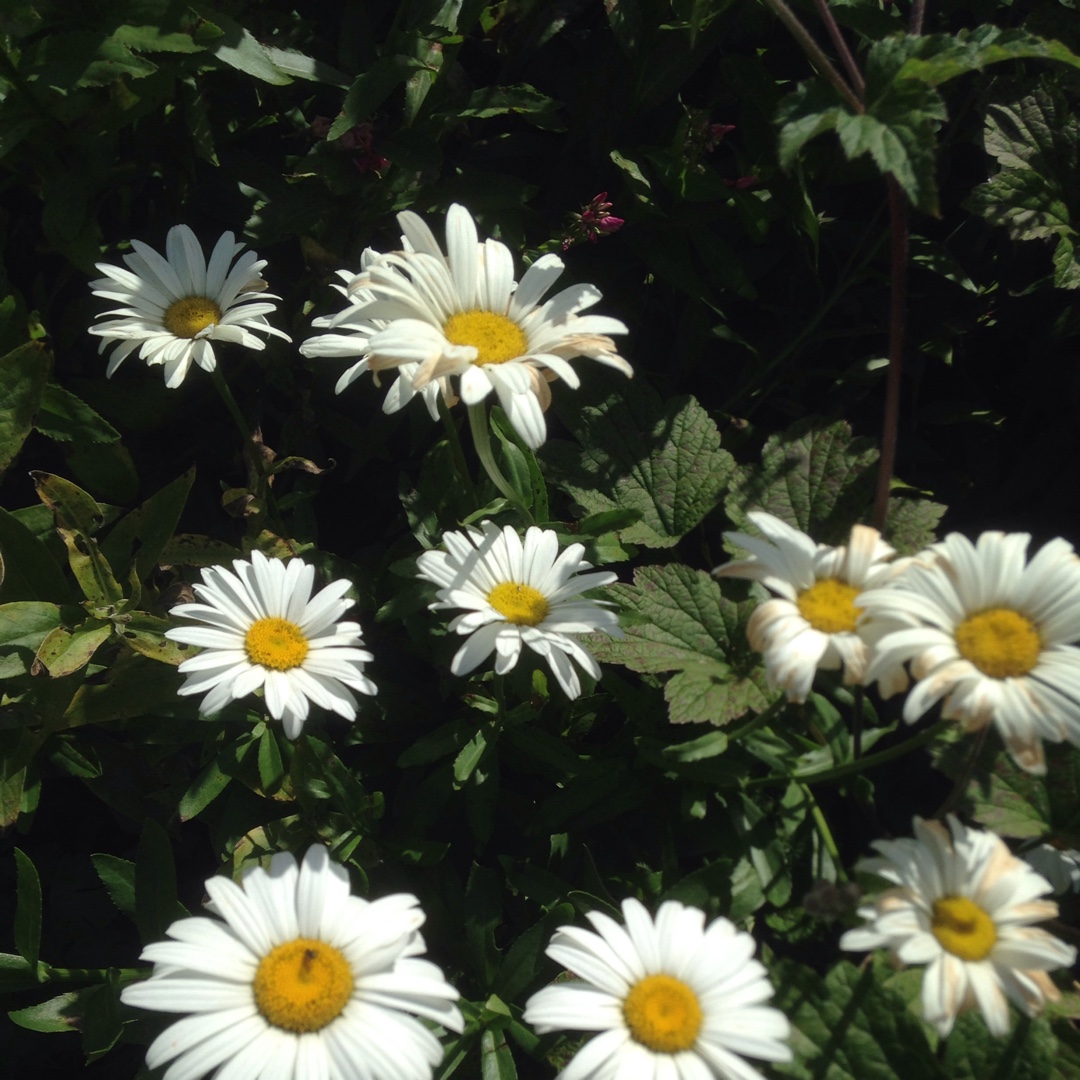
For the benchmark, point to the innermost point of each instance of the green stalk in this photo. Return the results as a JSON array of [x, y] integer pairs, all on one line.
[[481, 432], [824, 832], [457, 454]]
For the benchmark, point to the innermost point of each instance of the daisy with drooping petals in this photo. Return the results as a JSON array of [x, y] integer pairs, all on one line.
[[519, 594], [262, 628], [297, 979], [462, 314], [811, 623], [963, 905], [1060, 866], [351, 331], [990, 631], [671, 998]]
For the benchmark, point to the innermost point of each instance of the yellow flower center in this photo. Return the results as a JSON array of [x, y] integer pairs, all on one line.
[[520, 604], [963, 928], [302, 985], [829, 606], [1000, 642], [187, 318], [663, 1014], [276, 643], [495, 337]]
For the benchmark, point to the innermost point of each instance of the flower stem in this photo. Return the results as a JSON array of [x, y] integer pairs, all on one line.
[[824, 832], [481, 432], [854, 74], [457, 454]]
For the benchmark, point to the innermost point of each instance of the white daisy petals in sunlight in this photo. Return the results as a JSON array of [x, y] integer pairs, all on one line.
[[300, 974], [174, 306], [461, 314], [519, 593], [671, 998], [989, 631], [262, 628], [811, 623], [964, 906]]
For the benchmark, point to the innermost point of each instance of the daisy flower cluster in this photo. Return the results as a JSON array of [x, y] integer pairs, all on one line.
[[978, 626]]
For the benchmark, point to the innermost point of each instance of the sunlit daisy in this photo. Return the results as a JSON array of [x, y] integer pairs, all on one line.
[[672, 999], [351, 332], [519, 594], [262, 628], [989, 631], [963, 905], [462, 314], [297, 980], [175, 306], [811, 622]]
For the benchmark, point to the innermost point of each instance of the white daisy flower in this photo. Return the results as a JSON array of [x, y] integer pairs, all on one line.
[[519, 594], [989, 631], [264, 629], [462, 314], [811, 623], [672, 999], [297, 980], [353, 333], [965, 906], [174, 307]]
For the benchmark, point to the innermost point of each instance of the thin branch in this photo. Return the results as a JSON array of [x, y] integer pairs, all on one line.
[[854, 74], [918, 10], [898, 217], [815, 54]]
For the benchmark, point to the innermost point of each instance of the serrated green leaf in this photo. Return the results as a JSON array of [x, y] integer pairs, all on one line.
[[685, 624], [211, 781], [16, 974], [67, 418], [61, 1013], [911, 523], [23, 374], [1036, 142], [1028, 1052], [522, 100], [118, 877], [813, 108], [848, 1027], [27, 909], [638, 452], [814, 475]]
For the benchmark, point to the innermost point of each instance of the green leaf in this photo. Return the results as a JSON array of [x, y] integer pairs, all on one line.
[[521, 466], [638, 452], [912, 522], [156, 906], [66, 418], [101, 1026], [156, 39], [680, 621], [27, 910], [78, 516], [238, 48], [133, 687], [61, 1013], [522, 100], [30, 571], [1036, 142], [848, 1027], [814, 475], [23, 374], [999, 794], [271, 770], [496, 1061], [370, 89], [205, 788], [118, 877], [1028, 1052], [145, 633], [63, 651], [523, 965], [193, 549], [24, 625], [16, 974]]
